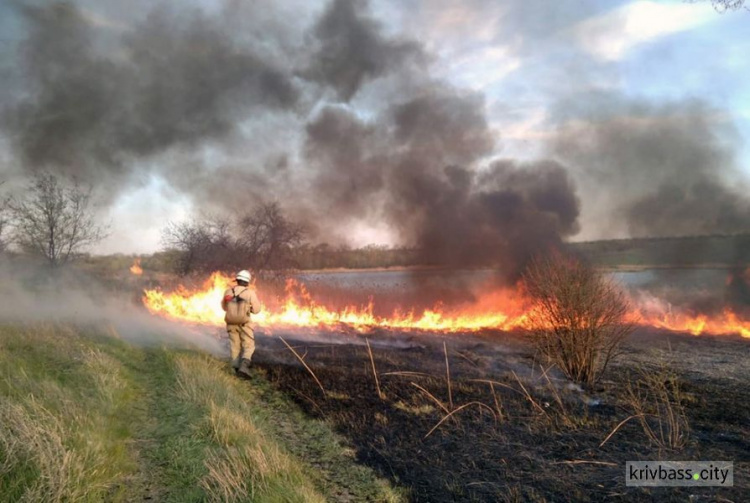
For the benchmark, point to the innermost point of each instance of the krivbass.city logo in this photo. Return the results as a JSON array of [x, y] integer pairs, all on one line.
[[679, 473]]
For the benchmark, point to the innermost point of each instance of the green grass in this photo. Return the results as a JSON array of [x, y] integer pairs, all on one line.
[[88, 417]]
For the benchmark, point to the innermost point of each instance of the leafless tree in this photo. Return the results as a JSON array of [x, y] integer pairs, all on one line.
[[262, 240], [580, 317], [53, 220], [205, 245], [3, 221], [269, 238]]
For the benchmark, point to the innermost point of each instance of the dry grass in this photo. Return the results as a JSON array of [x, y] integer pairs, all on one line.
[[656, 399], [56, 431], [374, 371], [244, 465], [33, 439], [302, 361]]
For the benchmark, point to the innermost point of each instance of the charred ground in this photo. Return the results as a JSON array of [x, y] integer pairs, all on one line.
[[514, 447]]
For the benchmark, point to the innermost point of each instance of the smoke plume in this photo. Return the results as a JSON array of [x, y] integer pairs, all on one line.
[[232, 117], [352, 50], [419, 161], [29, 294], [91, 110], [344, 122], [658, 170]]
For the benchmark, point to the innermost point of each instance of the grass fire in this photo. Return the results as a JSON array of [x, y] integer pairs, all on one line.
[[501, 309], [374, 251]]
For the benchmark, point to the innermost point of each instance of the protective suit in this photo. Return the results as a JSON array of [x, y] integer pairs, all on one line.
[[239, 302]]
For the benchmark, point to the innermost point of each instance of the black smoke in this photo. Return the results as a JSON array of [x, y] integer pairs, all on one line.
[[90, 109], [236, 116], [419, 167], [352, 49], [658, 169]]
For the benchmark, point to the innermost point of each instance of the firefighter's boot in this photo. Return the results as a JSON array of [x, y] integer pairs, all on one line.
[[244, 369]]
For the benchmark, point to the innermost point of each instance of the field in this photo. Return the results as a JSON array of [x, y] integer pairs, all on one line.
[[87, 416], [122, 409], [528, 436]]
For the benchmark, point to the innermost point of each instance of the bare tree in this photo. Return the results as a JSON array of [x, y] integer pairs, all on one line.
[[263, 240], [3, 221], [579, 320], [205, 245], [53, 221], [269, 238]]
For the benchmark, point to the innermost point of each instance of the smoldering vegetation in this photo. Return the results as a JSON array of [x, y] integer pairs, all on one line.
[[480, 419]]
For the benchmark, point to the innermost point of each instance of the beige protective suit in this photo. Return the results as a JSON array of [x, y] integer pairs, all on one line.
[[241, 337]]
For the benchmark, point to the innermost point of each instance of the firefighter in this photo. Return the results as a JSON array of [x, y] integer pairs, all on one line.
[[239, 302]]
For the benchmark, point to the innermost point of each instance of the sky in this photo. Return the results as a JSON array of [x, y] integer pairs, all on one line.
[[583, 83]]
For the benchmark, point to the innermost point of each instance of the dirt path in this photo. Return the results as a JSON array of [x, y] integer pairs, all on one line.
[[147, 381], [159, 423]]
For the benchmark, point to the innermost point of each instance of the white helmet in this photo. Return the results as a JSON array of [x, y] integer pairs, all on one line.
[[243, 275]]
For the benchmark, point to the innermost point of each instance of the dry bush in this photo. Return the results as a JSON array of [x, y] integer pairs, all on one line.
[[656, 399], [579, 320]]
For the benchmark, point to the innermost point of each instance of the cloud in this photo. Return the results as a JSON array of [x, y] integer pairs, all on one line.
[[482, 67], [610, 36]]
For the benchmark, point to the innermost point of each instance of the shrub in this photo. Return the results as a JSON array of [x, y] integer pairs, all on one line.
[[579, 318]]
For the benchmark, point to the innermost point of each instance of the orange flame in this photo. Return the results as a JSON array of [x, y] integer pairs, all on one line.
[[504, 309], [136, 267], [299, 309]]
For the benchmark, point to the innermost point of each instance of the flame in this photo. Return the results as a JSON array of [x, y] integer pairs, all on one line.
[[504, 309], [136, 267], [299, 309], [728, 322]]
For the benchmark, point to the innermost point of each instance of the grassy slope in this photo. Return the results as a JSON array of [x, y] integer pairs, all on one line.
[[87, 417]]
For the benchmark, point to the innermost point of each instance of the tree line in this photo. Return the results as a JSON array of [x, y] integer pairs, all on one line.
[[53, 219]]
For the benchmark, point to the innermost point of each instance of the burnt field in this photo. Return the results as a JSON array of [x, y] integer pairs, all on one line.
[[493, 424]]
